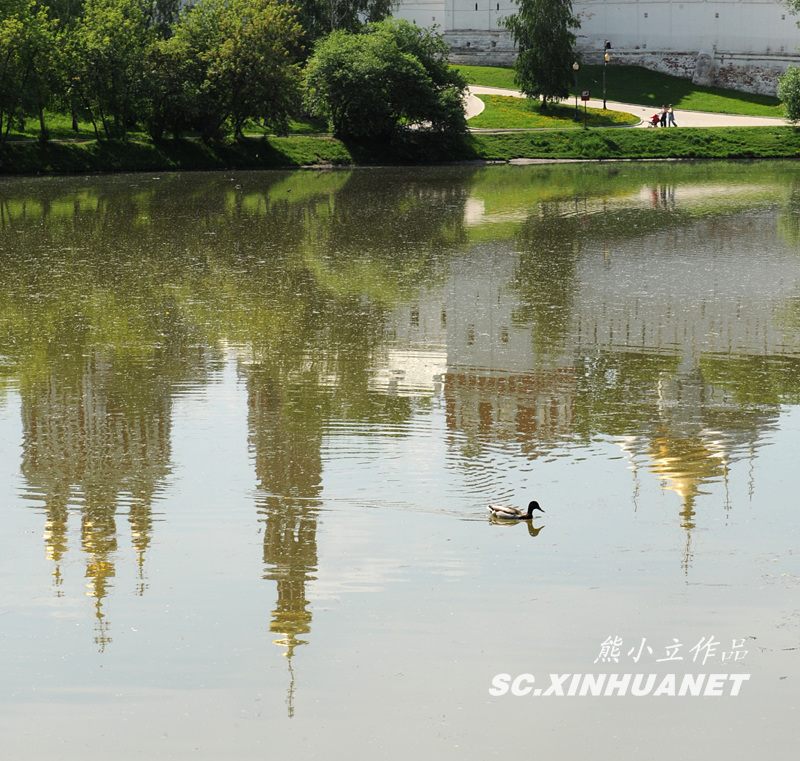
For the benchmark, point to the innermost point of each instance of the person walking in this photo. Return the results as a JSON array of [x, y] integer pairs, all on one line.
[[671, 117], [663, 116]]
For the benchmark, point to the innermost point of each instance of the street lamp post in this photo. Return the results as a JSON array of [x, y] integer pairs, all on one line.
[[606, 59], [575, 68]]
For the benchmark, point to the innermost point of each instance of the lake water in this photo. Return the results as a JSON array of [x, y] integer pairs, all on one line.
[[250, 423]]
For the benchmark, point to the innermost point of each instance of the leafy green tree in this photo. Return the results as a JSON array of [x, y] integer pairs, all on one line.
[[67, 13], [228, 61], [173, 88], [12, 34], [320, 17], [543, 33], [789, 92], [391, 75], [28, 66], [105, 57]]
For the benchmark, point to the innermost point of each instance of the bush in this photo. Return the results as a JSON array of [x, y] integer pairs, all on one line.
[[227, 61], [789, 92], [389, 76]]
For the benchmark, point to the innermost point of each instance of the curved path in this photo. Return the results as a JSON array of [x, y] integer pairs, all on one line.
[[474, 105]]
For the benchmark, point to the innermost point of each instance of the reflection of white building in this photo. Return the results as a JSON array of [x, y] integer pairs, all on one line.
[[656, 293], [463, 339], [416, 356], [648, 312], [744, 42], [467, 322], [646, 293]]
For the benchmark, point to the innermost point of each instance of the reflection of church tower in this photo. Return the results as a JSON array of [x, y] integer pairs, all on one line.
[[99, 542], [700, 431], [286, 437], [140, 519], [85, 440], [684, 464]]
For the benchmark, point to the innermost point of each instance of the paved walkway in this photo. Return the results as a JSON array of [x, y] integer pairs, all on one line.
[[474, 105]]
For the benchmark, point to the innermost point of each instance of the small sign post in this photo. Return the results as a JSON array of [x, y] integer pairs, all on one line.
[[585, 99]]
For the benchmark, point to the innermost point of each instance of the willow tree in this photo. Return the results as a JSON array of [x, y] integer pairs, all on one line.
[[543, 33]]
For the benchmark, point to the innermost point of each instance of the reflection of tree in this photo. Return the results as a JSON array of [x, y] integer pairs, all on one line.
[[789, 218], [387, 236], [756, 381], [545, 277]]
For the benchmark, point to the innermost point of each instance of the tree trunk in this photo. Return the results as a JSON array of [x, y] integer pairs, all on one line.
[[43, 134], [105, 123]]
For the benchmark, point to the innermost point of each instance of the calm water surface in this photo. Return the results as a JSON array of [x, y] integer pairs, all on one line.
[[249, 425]]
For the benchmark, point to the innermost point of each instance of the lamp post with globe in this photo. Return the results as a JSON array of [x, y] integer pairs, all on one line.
[[575, 68], [606, 59]]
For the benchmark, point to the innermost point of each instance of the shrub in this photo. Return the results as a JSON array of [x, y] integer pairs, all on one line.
[[391, 75], [789, 92]]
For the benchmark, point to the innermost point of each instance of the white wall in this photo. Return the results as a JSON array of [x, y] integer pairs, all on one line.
[[422, 12], [736, 26]]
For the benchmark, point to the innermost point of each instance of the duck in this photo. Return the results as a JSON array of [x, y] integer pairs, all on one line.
[[513, 513]]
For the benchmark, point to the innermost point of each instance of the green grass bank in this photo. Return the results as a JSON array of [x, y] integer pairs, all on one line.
[[508, 112], [307, 150], [634, 84]]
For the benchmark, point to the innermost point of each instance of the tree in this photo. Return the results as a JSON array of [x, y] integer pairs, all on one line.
[[28, 66], [789, 92], [542, 31], [105, 54], [320, 17], [227, 61], [391, 75]]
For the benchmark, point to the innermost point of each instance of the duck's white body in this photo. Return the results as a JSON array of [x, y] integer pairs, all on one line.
[[504, 512]]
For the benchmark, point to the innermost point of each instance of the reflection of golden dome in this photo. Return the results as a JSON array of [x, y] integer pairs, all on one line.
[[290, 624], [684, 464]]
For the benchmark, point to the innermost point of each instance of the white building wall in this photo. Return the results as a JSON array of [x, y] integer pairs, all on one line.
[[730, 26], [736, 26], [425, 13], [748, 42]]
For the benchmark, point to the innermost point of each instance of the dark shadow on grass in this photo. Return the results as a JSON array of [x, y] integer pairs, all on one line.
[[633, 84]]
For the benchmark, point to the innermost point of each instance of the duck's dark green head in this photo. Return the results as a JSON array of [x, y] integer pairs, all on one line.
[[534, 506]]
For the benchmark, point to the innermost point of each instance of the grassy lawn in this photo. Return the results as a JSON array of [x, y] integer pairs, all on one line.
[[633, 84], [60, 127], [711, 142], [506, 112], [489, 76], [29, 157]]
